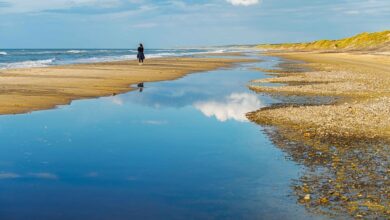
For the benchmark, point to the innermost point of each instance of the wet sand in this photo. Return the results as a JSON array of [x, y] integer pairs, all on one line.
[[26, 90], [361, 81]]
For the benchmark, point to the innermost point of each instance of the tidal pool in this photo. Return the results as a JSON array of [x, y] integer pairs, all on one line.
[[179, 149]]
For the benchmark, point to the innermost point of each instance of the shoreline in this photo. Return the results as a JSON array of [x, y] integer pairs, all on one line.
[[32, 89], [344, 144], [359, 81]]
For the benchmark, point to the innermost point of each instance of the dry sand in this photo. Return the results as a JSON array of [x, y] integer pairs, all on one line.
[[362, 81], [25, 90]]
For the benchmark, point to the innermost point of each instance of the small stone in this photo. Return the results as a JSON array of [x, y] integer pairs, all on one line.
[[324, 200], [307, 197], [305, 189]]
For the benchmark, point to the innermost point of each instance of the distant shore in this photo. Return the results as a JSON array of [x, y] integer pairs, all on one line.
[[360, 81], [31, 89]]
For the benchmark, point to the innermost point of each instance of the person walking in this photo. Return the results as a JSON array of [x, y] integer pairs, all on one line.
[[141, 55]]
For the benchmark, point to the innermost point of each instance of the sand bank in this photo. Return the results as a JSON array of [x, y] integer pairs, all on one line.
[[361, 81], [26, 90]]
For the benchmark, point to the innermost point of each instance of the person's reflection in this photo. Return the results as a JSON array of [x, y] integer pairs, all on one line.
[[140, 86]]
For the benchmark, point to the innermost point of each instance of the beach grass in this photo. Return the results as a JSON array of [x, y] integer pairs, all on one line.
[[362, 41]]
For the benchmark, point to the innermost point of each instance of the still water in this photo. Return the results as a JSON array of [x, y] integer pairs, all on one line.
[[180, 149]]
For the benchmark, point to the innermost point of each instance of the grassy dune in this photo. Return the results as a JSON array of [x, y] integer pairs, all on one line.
[[379, 41]]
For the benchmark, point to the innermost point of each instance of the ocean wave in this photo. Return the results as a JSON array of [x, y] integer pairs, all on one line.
[[120, 58], [3, 53], [53, 52], [76, 51], [158, 55], [27, 64], [219, 51], [49, 52], [104, 59], [41, 52], [134, 57], [95, 56]]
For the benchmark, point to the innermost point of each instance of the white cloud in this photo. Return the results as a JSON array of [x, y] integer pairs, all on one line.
[[234, 107], [373, 7], [353, 12], [20, 6], [243, 2], [144, 25]]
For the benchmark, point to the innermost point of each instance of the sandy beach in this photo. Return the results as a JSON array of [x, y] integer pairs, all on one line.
[[359, 80], [30, 89], [174, 109]]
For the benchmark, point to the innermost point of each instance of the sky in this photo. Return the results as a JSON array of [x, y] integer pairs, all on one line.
[[179, 23]]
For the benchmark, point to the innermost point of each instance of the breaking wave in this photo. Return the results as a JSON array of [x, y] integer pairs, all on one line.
[[27, 64], [76, 51]]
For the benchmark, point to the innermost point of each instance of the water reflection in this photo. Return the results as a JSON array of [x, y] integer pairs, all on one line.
[[140, 87], [42, 175], [149, 155], [211, 95], [8, 175], [117, 100], [195, 88], [235, 106]]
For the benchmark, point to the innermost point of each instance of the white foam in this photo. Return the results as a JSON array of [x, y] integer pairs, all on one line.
[[157, 55], [26, 64], [108, 58], [122, 58], [76, 51], [3, 53], [219, 51], [105, 59], [39, 52]]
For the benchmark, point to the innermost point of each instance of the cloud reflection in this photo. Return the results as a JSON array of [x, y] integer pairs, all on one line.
[[234, 107], [10, 175], [6, 175], [43, 175], [117, 100]]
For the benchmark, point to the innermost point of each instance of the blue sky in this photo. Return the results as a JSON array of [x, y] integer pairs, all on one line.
[[176, 23]]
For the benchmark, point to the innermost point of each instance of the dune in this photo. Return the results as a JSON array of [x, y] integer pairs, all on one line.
[[377, 41]]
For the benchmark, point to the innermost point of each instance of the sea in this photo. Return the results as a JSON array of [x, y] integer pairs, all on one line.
[[27, 58]]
